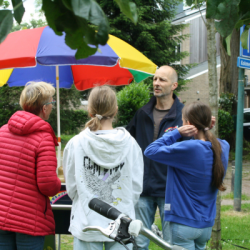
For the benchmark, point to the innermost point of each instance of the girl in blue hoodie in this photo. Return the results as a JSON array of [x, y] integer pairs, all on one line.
[[196, 169]]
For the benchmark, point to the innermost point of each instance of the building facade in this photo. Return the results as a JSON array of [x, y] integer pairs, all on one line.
[[196, 45]]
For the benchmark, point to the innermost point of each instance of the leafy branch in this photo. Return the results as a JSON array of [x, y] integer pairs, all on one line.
[[83, 21]]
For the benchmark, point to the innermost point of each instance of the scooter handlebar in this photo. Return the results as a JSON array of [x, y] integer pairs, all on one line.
[[104, 209]]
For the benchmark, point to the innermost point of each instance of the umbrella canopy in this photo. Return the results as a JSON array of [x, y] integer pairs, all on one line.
[[40, 55], [40, 50]]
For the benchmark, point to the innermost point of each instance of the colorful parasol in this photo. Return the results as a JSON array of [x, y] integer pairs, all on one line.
[[40, 50], [40, 55]]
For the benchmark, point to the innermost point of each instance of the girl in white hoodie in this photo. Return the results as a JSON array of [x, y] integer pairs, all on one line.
[[104, 163]]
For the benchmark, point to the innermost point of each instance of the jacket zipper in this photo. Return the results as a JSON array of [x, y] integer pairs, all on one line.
[[45, 207]]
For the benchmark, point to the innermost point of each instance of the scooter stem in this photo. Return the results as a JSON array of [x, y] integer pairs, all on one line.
[[158, 240]]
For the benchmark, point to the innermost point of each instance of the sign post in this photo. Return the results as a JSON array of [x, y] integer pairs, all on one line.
[[243, 62]]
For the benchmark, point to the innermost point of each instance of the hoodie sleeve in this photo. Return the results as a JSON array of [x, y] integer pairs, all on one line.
[[46, 164], [137, 179], [69, 169], [175, 154], [225, 148]]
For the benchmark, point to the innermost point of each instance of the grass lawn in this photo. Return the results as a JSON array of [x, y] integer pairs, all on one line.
[[234, 228], [67, 242], [65, 139], [230, 196]]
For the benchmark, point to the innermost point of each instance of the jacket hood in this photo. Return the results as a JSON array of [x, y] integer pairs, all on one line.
[[106, 150], [23, 123]]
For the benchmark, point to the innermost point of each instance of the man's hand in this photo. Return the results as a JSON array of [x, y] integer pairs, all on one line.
[[213, 120], [188, 130]]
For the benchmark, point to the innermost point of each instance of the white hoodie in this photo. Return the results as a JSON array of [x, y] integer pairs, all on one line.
[[106, 164]]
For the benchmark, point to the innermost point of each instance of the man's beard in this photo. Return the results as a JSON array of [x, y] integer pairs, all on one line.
[[162, 94]]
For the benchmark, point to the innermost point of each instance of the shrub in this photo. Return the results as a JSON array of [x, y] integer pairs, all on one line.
[[71, 120], [225, 124], [130, 99], [6, 112], [226, 102], [225, 118], [9, 102]]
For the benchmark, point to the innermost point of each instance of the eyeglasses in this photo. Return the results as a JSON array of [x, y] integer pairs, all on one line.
[[53, 102]]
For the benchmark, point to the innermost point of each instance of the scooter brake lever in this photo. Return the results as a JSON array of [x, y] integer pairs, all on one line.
[[105, 231]]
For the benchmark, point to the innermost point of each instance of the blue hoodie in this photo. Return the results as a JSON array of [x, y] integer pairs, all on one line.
[[190, 196]]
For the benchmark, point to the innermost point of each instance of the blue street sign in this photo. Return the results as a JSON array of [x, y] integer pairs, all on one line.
[[243, 63], [245, 52]]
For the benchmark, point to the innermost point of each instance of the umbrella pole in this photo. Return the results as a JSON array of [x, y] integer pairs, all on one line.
[[58, 119]]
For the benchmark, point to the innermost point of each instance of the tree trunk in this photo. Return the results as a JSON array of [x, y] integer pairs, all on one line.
[[229, 70], [229, 74], [216, 231], [212, 70], [213, 102]]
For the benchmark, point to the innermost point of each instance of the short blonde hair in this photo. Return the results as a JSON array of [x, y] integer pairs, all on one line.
[[102, 101], [35, 95]]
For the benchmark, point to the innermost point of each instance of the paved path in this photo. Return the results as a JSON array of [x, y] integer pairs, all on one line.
[[245, 182], [231, 202]]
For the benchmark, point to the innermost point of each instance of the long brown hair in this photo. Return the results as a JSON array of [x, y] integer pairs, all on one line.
[[102, 101], [199, 114]]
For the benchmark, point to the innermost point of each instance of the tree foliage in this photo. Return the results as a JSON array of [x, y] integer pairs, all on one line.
[[4, 4], [34, 23], [154, 35], [230, 15], [83, 21]]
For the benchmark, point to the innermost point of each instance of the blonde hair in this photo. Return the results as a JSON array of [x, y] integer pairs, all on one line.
[[102, 101], [35, 95]]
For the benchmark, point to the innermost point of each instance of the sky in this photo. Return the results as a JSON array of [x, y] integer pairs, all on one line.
[[29, 9], [29, 6]]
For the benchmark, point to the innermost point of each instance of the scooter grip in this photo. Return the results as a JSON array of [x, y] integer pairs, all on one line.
[[104, 209]]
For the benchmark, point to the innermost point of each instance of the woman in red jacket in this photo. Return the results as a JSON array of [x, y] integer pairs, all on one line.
[[28, 171]]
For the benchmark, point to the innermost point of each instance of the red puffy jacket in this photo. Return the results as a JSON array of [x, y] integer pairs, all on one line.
[[27, 175]]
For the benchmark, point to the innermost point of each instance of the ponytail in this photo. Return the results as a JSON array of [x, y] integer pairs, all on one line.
[[199, 114], [218, 168], [102, 105], [93, 124]]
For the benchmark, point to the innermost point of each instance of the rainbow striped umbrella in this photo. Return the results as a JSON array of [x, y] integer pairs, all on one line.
[[33, 54], [40, 55]]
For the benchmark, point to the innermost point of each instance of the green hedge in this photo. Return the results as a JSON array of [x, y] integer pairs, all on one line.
[[6, 111], [225, 117], [225, 124], [9, 102], [130, 99], [72, 121]]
